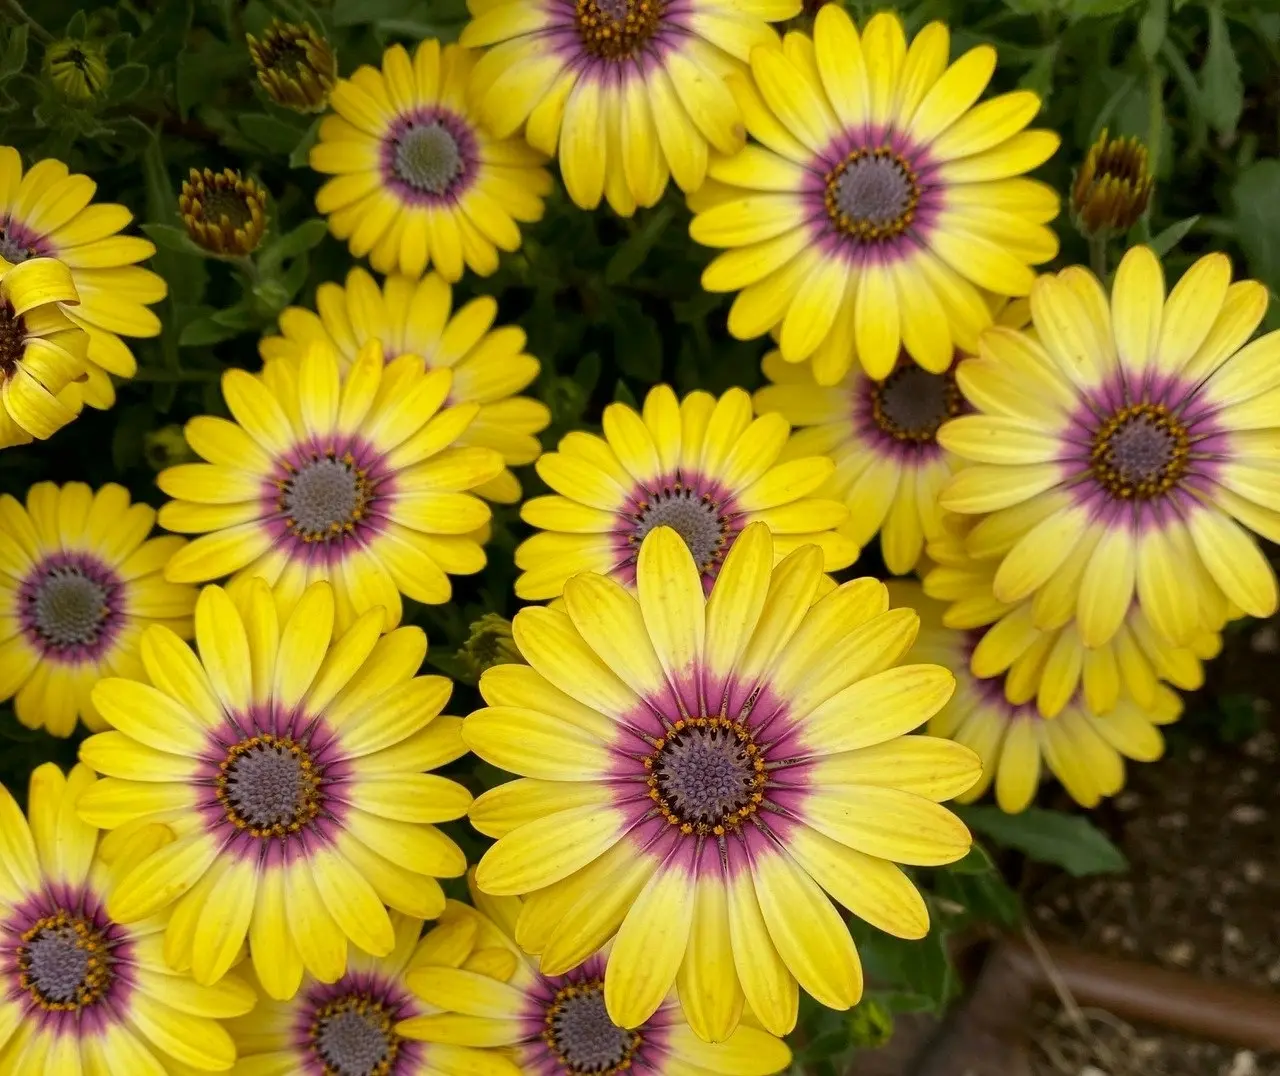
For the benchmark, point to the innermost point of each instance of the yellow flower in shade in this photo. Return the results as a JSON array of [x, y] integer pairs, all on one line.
[[878, 201], [223, 212], [405, 317], [348, 1027], [79, 582], [479, 988], [1123, 449], [632, 91], [295, 65], [718, 887], [42, 352], [700, 466], [49, 213], [288, 760], [1051, 664], [359, 481], [83, 991], [418, 181], [1084, 750], [883, 438]]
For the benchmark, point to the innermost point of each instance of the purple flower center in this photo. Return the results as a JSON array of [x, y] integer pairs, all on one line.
[[698, 520], [325, 498], [13, 337], [69, 608], [63, 963], [911, 403], [353, 1036], [872, 195], [581, 1034], [268, 786], [1140, 452], [17, 244], [707, 775], [617, 29], [428, 158]]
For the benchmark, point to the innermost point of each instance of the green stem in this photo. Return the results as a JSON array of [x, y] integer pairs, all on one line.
[[37, 31], [1098, 255], [1155, 115], [169, 377]]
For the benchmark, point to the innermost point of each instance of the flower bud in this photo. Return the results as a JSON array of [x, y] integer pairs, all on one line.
[[223, 212], [296, 65], [1113, 187], [490, 643], [77, 69]]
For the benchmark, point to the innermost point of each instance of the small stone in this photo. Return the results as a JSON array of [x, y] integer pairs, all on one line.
[[1248, 775], [1254, 871], [1093, 1070], [1273, 973], [1247, 814], [1180, 953], [1266, 640], [1245, 1063], [1233, 936], [1111, 933], [1196, 754], [1128, 801], [1177, 820]]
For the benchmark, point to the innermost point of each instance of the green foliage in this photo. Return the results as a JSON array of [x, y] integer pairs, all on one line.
[[1071, 842]]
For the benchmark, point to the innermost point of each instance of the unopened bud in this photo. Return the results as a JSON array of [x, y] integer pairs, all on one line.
[[1113, 187], [223, 212], [296, 65]]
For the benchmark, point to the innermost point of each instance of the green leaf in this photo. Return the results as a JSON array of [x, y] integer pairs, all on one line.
[[1171, 236], [77, 26], [1152, 27], [1255, 195], [637, 344], [14, 58], [269, 132], [623, 394], [212, 64], [1223, 96], [301, 155], [631, 254], [127, 81], [361, 12], [1090, 9], [207, 330], [186, 278], [1070, 841], [298, 241], [171, 237], [163, 37]]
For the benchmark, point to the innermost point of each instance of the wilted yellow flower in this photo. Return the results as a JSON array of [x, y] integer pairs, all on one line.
[[77, 69], [224, 212], [1113, 187], [296, 65]]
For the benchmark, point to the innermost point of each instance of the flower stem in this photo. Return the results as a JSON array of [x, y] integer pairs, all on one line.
[[37, 31], [1098, 255]]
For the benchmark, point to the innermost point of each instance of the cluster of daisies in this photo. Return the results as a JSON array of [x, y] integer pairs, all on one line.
[[712, 738]]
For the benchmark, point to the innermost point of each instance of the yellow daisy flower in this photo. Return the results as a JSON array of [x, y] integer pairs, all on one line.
[[79, 582], [481, 989], [879, 200], [883, 438], [631, 91], [82, 991], [48, 213], [289, 763], [1084, 750], [418, 181], [42, 352], [357, 480], [797, 709], [1126, 447], [349, 1027], [405, 317], [1051, 664], [700, 466]]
